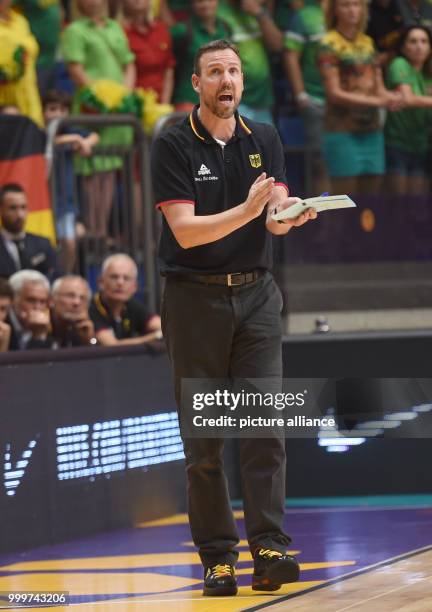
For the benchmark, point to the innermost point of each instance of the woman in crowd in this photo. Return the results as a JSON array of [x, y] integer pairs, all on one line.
[[353, 139], [96, 48], [18, 54], [150, 41], [407, 133]]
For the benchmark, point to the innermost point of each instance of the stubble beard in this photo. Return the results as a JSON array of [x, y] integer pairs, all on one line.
[[221, 113]]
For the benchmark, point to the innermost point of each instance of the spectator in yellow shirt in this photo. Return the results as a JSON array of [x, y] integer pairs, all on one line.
[[18, 54]]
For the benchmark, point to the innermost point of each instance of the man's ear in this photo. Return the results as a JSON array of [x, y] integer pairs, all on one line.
[[196, 83]]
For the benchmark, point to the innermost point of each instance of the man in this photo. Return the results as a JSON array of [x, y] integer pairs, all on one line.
[[29, 316], [6, 297], [71, 324], [18, 249], [217, 179], [118, 318]]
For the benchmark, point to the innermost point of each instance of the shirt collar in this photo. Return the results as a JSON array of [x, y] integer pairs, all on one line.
[[11, 237], [89, 22], [103, 308], [241, 129]]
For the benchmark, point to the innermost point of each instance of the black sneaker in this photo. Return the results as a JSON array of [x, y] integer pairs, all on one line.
[[272, 569], [220, 580]]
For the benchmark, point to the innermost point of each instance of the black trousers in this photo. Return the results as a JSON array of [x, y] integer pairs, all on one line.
[[215, 331]]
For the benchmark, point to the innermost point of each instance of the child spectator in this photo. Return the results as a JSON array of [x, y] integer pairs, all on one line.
[[353, 139], [18, 54], [407, 132], [150, 41], [56, 105], [202, 27]]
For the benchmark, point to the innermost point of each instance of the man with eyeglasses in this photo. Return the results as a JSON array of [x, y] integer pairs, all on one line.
[[71, 324], [118, 317]]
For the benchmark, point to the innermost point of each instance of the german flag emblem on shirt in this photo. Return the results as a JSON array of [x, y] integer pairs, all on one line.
[[255, 160]]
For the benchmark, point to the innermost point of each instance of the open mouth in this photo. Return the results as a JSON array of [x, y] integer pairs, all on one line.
[[225, 98]]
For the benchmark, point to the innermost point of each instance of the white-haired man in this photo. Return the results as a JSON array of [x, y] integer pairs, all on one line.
[[29, 316], [119, 319], [71, 324]]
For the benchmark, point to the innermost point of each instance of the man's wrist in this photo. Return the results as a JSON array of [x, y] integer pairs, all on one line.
[[303, 96]]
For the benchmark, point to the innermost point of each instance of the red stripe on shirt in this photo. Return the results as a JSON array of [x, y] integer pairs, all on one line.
[[159, 204], [282, 185]]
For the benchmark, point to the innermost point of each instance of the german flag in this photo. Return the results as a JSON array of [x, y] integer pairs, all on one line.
[[22, 161]]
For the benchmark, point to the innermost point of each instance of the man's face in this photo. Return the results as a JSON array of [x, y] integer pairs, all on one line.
[[13, 212], [5, 303], [33, 297], [54, 110], [70, 302], [118, 283], [220, 84]]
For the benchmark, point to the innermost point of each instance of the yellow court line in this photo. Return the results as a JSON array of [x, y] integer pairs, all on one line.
[[177, 519]]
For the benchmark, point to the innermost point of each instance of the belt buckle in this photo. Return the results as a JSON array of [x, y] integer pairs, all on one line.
[[229, 279]]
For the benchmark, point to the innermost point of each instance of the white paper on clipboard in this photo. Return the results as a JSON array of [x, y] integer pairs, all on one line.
[[321, 203]]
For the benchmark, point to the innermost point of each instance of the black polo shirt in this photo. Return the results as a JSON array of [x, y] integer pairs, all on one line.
[[132, 323], [188, 165]]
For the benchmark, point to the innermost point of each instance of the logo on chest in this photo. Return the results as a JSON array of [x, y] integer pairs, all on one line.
[[255, 160], [205, 174]]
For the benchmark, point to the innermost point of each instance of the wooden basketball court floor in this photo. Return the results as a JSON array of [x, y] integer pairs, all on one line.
[[358, 556]]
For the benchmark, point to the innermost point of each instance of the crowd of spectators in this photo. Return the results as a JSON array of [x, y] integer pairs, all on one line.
[[35, 314], [361, 84], [357, 72]]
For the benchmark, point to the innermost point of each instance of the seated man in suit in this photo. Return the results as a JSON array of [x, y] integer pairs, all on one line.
[[18, 249], [29, 316], [118, 318]]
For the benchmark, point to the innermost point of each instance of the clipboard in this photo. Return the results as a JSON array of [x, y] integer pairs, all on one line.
[[321, 204]]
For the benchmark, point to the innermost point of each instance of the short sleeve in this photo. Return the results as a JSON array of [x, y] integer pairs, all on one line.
[[99, 321], [327, 56], [73, 45], [170, 59], [278, 170], [139, 317], [172, 178], [294, 39], [398, 73]]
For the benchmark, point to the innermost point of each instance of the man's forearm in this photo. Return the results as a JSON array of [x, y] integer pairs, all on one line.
[[195, 230]]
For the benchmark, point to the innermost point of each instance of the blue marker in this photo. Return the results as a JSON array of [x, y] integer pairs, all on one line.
[[324, 195]]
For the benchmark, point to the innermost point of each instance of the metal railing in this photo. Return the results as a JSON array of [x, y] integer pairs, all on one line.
[[112, 190]]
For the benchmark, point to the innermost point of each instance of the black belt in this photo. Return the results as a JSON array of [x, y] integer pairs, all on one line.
[[234, 279]]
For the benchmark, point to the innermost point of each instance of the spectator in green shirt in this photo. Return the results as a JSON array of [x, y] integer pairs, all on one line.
[[201, 28], [44, 17], [302, 39], [255, 34], [407, 132], [94, 48]]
